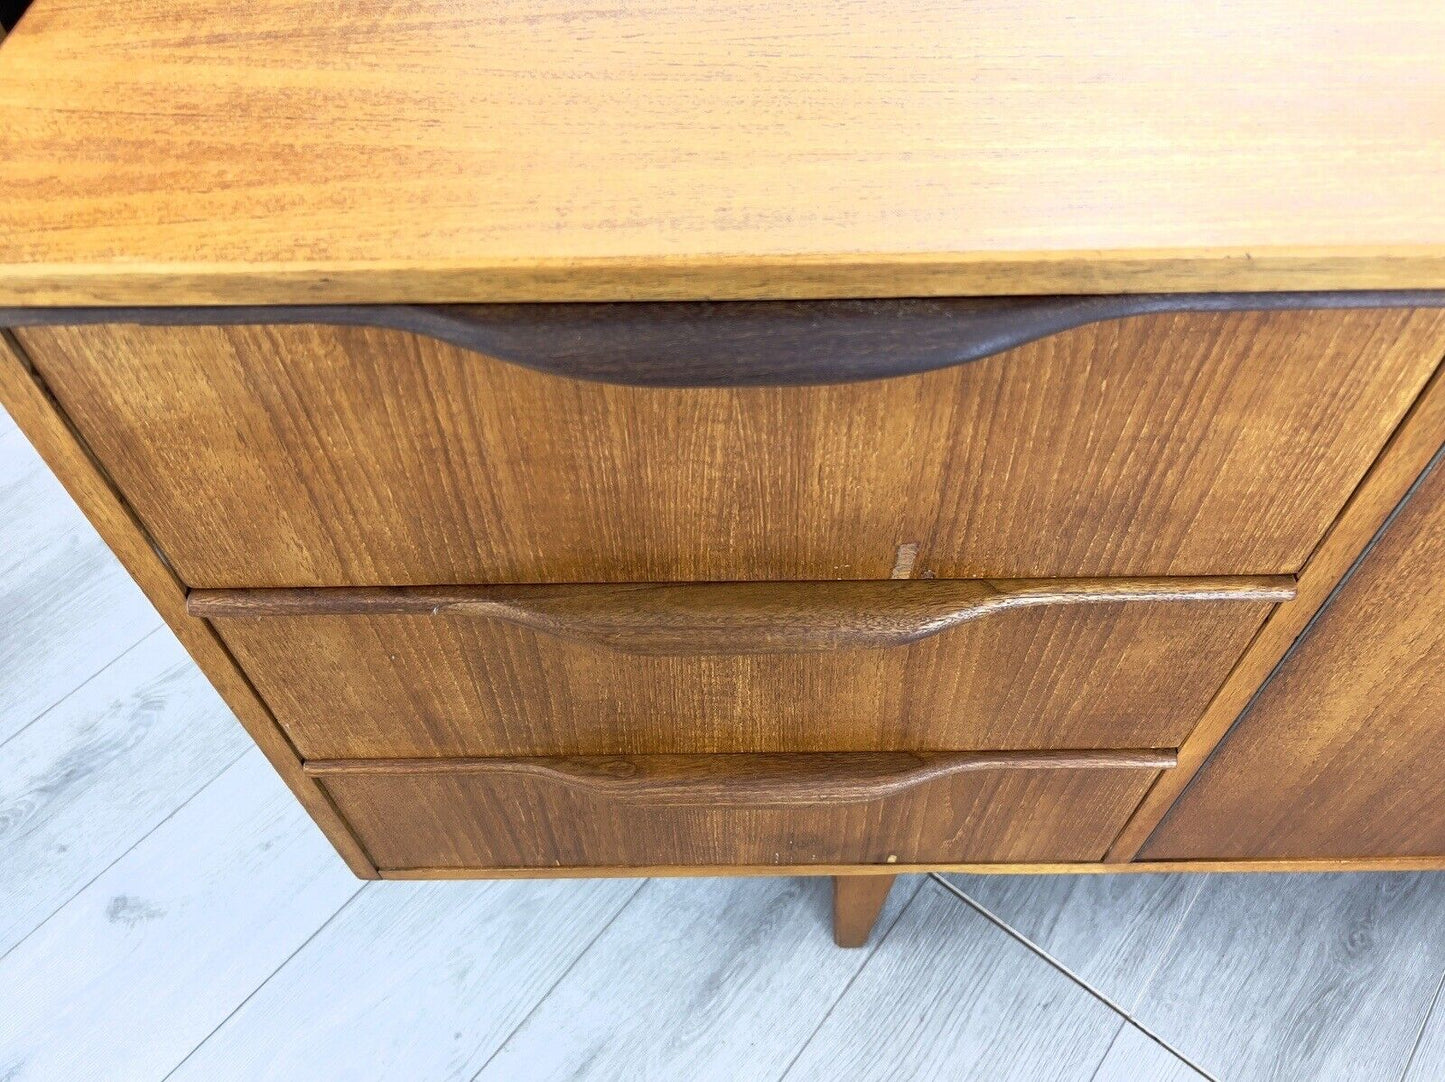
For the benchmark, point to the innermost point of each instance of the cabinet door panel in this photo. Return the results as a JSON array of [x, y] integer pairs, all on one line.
[[1343, 752]]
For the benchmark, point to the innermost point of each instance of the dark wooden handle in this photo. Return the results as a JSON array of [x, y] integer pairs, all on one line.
[[753, 779], [739, 343], [735, 617]]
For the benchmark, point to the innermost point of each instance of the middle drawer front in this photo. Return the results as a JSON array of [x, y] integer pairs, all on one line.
[[741, 667]]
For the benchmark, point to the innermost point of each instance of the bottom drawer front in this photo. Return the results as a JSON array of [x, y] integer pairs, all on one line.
[[710, 810]]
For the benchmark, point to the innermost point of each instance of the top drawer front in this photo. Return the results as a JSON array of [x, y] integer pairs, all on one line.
[[1192, 444]]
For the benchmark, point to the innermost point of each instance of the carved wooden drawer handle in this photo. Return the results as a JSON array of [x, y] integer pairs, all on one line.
[[739, 343], [753, 779], [735, 617]]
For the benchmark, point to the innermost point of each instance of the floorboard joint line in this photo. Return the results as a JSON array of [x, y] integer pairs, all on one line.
[[1197, 882], [262, 984], [82, 685], [1133, 1023], [560, 978], [1108, 1051], [1030, 945], [1435, 1001], [803, 1047], [122, 855]]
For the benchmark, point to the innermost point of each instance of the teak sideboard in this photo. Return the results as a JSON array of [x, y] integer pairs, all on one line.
[[743, 439]]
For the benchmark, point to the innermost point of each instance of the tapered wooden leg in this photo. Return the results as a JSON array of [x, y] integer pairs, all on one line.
[[857, 901]]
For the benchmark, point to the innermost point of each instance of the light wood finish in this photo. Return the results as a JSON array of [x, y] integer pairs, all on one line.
[[1408, 453], [1306, 977], [1109, 931], [69, 607], [101, 769], [469, 819], [471, 962], [527, 150], [1428, 1060], [1161, 445], [736, 617], [739, 978], [182, 927], [857, 901], [1250, 977], [1135, 1055], [43, 422], [930, 1005], [370, 686], [1340, 754]]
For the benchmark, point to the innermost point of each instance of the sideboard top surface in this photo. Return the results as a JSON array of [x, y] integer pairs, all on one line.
[[292, 151]]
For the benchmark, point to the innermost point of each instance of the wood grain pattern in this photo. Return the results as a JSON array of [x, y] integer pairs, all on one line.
[[930, 1004], [1408, 453], [1135, 1055], [1030, 868], [467, 819], [100, 771], [182, 928], [857, 901], [777, 780], [526, 150], [1339, 971], [69, 607], [1339, 755], [1428, 1059], [427, 981], [735, 343], [736, 617], [1161, 445], [710, 984], [42, 420], [1109, 931], [387, 686]]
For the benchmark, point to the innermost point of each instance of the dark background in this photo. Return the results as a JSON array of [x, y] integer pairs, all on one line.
[[10, 11]]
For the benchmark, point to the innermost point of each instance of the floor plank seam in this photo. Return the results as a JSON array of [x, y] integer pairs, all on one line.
[[122, 855], [1132, 1023], [1123, 1022], [82, 685], [1197, 882], [267, 980], [1435, 1001], [1039, 951], [557, 983], [847, 986]]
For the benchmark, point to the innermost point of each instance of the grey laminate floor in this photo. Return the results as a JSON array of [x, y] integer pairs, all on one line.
[[166, 910]]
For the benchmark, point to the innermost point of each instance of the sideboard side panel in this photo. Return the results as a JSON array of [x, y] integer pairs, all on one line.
[[39, 416]]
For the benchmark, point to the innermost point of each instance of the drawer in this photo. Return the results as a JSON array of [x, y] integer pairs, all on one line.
[[740, 667], [1185, 444], [433, 815]]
